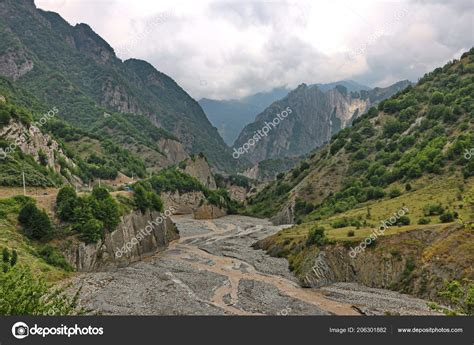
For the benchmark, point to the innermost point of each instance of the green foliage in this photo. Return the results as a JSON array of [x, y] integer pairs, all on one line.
[[447, 217], [394, 192], [459, 295], [433, 209], [403, 220], [54, 257], [423, 221], [65, 203], [92, 230], [36, 223], [316, 236], [89, 215], [25, 293], [146, 198]]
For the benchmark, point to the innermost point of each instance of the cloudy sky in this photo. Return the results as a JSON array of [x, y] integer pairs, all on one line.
[[229, 49]]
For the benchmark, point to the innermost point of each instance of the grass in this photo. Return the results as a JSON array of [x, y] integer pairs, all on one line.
[[12, 238], [424, 191]]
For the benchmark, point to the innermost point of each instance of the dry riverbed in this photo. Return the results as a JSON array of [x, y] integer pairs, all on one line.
[[213, 270]]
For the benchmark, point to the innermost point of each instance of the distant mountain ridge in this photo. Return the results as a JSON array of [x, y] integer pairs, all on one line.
[[231, 116], [316, 116]]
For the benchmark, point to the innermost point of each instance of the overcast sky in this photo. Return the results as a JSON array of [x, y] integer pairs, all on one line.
[[229, 49]]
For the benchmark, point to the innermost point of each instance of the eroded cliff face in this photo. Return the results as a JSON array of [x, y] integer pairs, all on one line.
[[198, 167], [415, 262], [118, 248], [315, 116], [32, 141]]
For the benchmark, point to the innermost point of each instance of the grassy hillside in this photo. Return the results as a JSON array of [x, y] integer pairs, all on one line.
[[75, 70], [419, 134], [411, 154]]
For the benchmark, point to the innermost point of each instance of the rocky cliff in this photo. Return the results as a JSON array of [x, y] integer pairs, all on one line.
[[314, 116], [198, 167], [122, 246], [414, 262]]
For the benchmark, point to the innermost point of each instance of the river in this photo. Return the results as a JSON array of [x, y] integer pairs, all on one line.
[[213, 270]]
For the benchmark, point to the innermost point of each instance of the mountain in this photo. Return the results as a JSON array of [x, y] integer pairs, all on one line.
[[388, 202], [73, 68], [350, 85], [230, 116], [314, 116], [419, 137]]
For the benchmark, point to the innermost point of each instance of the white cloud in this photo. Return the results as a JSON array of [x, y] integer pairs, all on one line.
[[228, 49]]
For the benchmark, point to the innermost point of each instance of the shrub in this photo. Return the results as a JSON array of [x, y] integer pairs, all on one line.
[[433, 209], [92, 230], [36, 223], [54, 257], [446, 217], [65, 203], [316, 236], [403, 220], [395, 192], [26, 294], [350, 233], [423, 221]]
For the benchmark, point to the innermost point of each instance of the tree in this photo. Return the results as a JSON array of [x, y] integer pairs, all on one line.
[[65, 203], [316, 236], [92, 230], [141, 198], [14, 258], [36, 223], [5, 255]]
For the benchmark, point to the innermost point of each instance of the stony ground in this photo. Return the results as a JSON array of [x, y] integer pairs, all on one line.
[[213, 270]]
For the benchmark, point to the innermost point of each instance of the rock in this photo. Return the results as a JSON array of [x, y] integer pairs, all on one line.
[[2, 99], [208, 211], [112, 251], [198, 167]]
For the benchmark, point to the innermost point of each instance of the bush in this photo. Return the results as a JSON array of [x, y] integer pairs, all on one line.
[[395, 192], [54, 257], [92, 230], [26, 294], [316, 236], [447, 217], [403, 220], [423, 221], [433, 209], [36, 223], [350, 233]]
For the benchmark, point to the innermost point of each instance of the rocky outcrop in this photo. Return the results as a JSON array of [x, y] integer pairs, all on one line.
[[415, 262], [198, 167], [41, 146], [173, 150], [15, 64], [183, 203], [124, 245], [208, 211]]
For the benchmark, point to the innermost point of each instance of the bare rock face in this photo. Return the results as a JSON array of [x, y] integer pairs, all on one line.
[[173, 150], [198, 167], [32, 141], [313, 116], [137, 236], [208, 211], [15, 64], [183, 203]]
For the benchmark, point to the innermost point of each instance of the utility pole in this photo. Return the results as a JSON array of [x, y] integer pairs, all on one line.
[[24, 184]]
